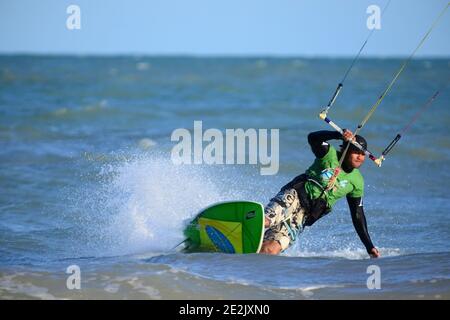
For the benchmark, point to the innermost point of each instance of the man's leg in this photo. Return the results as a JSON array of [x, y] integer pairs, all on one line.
[[282, 207]]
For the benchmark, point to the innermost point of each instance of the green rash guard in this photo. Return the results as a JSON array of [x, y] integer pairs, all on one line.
[[348, 184]]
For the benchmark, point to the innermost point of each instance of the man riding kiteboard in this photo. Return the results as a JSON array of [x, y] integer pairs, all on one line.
[[311, 195]]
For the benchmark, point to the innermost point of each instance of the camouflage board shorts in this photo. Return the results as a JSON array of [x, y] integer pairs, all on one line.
[[286, 218]]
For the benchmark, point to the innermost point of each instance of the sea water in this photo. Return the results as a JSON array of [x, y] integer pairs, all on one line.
[[87, 179]]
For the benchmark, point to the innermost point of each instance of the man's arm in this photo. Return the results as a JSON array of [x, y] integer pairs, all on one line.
[[360, 224], [317, 141]]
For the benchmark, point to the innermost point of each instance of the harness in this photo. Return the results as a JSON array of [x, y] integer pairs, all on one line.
[[314, 208]]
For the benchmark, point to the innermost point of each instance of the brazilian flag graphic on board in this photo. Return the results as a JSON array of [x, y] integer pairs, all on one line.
[[228, 227]]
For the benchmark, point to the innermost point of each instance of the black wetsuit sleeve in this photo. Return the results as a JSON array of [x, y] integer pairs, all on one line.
[[359, 221], [316, 140]]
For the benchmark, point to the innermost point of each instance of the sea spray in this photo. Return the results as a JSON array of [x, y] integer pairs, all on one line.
[[141, 202]]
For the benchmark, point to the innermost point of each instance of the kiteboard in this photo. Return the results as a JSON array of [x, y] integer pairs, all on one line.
[[227, 227]]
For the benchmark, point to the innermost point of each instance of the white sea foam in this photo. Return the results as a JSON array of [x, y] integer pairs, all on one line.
[[141, 204], [346, 253]]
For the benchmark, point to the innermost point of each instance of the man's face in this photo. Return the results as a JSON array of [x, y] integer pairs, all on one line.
[[355, 159]]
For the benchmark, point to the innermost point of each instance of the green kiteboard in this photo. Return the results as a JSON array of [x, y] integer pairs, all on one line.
[[228, 227]]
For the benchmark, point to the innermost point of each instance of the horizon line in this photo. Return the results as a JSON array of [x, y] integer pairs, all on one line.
[[217, 56]]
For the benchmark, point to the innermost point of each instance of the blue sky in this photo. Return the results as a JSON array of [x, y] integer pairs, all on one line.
[[216, 27]]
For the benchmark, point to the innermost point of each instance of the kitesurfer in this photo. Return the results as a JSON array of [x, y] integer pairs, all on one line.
[[311, 195]]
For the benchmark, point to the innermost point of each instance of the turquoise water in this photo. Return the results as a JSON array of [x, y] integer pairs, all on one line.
[[87, 178]]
